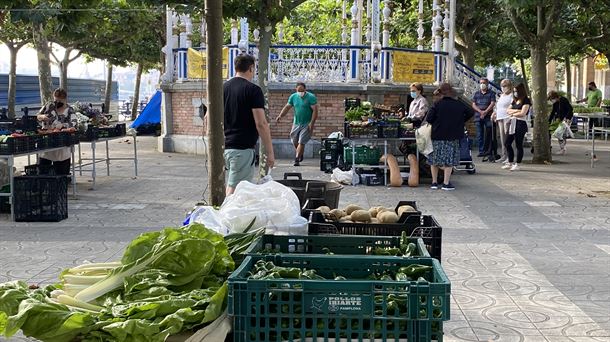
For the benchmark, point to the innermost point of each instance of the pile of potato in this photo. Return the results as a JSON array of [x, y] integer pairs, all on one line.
[[354, 213]]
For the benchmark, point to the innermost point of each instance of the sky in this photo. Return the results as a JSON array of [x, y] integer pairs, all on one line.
[[27, 64]]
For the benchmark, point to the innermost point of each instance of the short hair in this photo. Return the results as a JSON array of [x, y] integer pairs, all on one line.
[[60, 93], [506, 82], [446, 90], [553, 95], [301, 84], [243, 62], [484, 79], [521, 93], [418, 86], [593, 84]]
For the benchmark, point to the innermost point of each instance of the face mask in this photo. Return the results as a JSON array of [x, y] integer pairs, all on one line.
[[505, 90], [413, 94], [590, 88], [301, 93], [483, 86], [58, 104], [553, 101], [515, 94]]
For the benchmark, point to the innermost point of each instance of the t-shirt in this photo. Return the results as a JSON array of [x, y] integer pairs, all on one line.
[[504, 102], [482, 101], [593, 97], [240, 97], [302, 107], [519, 105]]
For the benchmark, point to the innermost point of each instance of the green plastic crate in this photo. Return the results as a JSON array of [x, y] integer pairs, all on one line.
[[363, 155], [355, 309], [340, 245]]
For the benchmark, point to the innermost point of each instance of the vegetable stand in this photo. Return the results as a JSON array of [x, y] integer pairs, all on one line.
[[10, 158], [384, 167], [586, 117], [94, 159]]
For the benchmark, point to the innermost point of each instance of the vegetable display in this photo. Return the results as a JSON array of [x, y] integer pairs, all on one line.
[[166, 282], [355, 213]]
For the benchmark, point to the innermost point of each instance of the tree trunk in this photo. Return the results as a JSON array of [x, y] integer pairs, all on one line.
[[12, 81], [108, 90], [524, 72], [264, 46], [469, 48], [215, 115], [136, 93], [568, 78], [63, 70], [44, 65], [542, 144]]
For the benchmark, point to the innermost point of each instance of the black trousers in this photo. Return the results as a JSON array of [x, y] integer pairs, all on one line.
[[490, 145], [61, 167], [518, 138]]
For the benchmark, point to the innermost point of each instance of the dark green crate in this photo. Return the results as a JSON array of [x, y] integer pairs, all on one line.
[[363, 155], [339, 245], [356, 309]]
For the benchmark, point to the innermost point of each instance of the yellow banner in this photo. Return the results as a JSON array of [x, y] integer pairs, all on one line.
[[409, 67], [196, 63], [601, 62]]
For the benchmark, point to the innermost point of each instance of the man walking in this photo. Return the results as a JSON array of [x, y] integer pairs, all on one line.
[[305, 115], [244, 122], [483, 103]]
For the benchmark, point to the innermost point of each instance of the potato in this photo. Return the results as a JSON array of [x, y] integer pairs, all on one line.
[[336, 214], [324, 209], [374, 220], [405, 209], [387, 217], [382, 210], [351, 208], [346, 218], [361, 216], [373, 212]]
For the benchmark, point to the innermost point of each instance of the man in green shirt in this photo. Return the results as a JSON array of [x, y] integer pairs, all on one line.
[[305, 107], [593, 97]]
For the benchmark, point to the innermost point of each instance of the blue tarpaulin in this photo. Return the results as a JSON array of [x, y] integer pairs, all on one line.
[[151, 114]]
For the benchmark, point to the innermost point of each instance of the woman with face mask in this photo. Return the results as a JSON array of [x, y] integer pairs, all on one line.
[[419, 106], [562, 111], [500, 114], [57, 115]]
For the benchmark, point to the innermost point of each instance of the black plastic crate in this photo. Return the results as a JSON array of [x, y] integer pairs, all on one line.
[[351, 102], [370, 131], [329, 155], [5, 207], [407, 133], [372, 179], [328, 166], [36, 143], [41, 198], [15, 145], [39, 170], [333, 145], [389, 129], [120, 130]]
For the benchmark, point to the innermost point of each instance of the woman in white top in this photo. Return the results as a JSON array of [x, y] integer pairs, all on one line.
[[419, 106], [57, 115], [500, 114]]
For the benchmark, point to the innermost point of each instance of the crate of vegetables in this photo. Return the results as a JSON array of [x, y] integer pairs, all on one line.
[[402, 246], [357, 298], [14, 144]]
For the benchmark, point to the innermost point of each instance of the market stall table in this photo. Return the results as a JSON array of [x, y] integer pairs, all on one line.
[[384, 167], [588, 116], [10, 158], [94, 160]]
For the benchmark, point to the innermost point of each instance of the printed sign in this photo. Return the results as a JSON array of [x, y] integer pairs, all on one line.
[[411, 67], [196, 63], [339, 304]]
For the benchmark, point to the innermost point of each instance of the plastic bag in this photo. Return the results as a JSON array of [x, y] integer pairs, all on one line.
[[209, 217], [559, 131], [344, 177], [270, 205], [567, 133], [423, 137], [335, 135]]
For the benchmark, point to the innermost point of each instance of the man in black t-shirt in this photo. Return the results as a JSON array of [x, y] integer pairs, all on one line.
[[244, 121]]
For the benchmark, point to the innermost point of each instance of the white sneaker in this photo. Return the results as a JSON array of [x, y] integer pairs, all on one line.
[[506, 166], [515, 167], [561, 152]]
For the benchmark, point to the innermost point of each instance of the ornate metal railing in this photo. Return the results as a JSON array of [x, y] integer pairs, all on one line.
[[468, 79], [291, 63]]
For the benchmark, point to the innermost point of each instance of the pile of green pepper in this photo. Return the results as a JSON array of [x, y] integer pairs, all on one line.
[[264, 270]]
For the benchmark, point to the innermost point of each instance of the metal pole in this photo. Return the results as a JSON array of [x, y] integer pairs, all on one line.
[[135, 155], [93, 163], [107, 159]]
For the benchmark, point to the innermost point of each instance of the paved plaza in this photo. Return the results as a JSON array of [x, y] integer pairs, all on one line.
[[528, 253]]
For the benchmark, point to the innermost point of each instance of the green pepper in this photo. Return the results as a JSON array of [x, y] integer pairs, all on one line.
[[414, 270], [327, 251], [423, 313], [404, 240], [340, 278], [394, 251], [411, 250], [437, 313], [380, 251], [392, 308], [386, 277], [422, 280], [289, 273]]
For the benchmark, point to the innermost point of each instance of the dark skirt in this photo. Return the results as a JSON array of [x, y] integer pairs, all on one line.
[[446, 153]]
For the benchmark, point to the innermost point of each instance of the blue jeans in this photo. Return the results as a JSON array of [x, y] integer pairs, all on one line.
[[480, 125]]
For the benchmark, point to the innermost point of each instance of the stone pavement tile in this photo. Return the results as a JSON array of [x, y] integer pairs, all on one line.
[[557, 325], [454, 330]]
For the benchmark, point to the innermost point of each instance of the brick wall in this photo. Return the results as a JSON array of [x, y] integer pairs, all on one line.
[[330, 115]]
